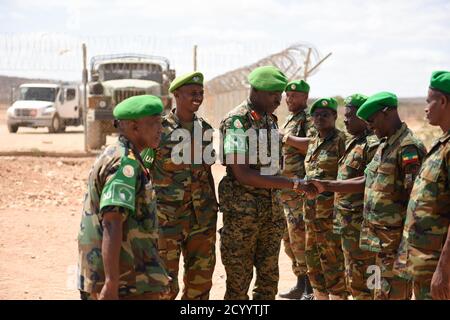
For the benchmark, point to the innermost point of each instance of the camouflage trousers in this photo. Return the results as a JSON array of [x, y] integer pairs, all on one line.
[[423, 263], [324, 258], [251, 237], [392, 286], [143, 296], [294, 239], [357, 262], [422, 289], [197, 244]]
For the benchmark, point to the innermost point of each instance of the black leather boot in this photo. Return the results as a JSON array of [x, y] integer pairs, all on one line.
[[296, 292], [309, 294]]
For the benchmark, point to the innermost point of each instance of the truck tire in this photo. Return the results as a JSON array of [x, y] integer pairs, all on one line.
[[56, 125], [13, 128], [95, 136]]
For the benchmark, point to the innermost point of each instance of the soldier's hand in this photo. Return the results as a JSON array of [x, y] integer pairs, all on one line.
[[110, 291], [319, 186], [167, 293], [311, 191], [440, 285]]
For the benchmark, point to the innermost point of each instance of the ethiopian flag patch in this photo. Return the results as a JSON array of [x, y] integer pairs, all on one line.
[[410, 157]]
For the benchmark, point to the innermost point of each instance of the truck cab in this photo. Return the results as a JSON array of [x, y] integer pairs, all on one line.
[[114, 78], [50, 105]]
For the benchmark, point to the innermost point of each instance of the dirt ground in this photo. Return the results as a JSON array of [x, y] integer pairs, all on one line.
[[40, 208], [40, 205]]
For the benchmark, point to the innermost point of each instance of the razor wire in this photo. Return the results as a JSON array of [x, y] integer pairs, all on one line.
[[292, 61], [59, 56]]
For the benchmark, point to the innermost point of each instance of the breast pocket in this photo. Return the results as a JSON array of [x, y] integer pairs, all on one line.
[[384, 180], [356, 162]]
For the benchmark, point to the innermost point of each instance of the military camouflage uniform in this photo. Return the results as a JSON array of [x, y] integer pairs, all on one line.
[[349, 214], [187, 210], [252, 229], [324, 257], [388, 178], [428, 217], [141, 269], [297, 125]]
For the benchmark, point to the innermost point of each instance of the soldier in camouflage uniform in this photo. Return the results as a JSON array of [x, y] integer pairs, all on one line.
[[187, 206], [426, 233], [324, 256], [252, 230], [388, 182], [118, 238], [359, 152], [298, 125]]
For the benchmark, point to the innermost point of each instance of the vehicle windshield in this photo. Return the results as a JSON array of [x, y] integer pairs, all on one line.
[[139, 71], [39, 94]]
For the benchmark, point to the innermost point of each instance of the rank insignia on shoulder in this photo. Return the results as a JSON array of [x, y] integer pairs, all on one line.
[[255, 115], [237, 123]]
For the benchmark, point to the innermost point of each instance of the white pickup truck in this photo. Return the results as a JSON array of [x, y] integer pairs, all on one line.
[[50, 105]]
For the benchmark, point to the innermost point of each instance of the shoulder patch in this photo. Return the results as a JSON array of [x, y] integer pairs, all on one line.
[[120, 190], [410, 156], [148, 156]]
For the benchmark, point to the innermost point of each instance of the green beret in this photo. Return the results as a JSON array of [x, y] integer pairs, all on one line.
[[138, 107], [328, 103], [356, 100], [267, 78], [297, 85], [189, 78], [376, 103], [440, 80]]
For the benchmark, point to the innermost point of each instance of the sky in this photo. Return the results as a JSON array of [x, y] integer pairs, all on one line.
[[376, 45]]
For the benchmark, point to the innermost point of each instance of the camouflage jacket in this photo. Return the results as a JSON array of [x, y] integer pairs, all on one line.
[[297, 125], [321, 163], [349, 207], [428, 216], [182, 185], [141, 269], [234, 128], [389, 177]]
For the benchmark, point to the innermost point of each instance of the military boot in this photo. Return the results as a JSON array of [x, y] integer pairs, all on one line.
[[296, 292], [309, 293]]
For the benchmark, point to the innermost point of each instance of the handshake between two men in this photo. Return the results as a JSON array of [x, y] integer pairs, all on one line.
[[310, 188]]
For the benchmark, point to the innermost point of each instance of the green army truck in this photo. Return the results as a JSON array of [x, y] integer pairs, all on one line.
[[114, 78]]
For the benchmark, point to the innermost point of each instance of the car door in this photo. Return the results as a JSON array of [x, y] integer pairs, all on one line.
[[69, 107]]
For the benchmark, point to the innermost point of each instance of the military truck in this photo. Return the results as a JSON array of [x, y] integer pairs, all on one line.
[[114, 78], [51, 105]]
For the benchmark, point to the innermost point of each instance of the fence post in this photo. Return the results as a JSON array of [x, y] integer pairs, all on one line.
[[195, 57], [85, 108]]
